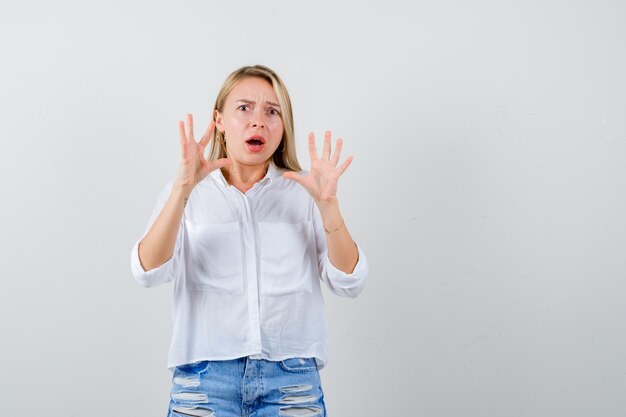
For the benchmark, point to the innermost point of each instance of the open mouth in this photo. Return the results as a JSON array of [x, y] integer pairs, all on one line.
[[255, 143], [256, 140]]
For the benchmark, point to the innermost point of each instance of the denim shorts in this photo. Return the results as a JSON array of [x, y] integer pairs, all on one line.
[[247, 387]]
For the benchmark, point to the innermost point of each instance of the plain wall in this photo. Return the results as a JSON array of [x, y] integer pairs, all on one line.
[[487, 189]]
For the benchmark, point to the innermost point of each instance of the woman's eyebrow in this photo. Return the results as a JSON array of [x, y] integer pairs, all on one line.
[[271, 103]]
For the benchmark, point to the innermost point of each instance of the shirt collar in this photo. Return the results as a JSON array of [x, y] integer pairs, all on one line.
[[273, 172]]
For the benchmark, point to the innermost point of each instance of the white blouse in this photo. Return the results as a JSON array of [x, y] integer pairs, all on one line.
[[246, 271]]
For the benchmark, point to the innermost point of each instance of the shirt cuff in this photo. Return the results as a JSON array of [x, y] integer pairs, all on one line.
[[152, 277], [352, 280]]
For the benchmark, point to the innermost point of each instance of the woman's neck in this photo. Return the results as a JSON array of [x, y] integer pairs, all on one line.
[[243, 177]]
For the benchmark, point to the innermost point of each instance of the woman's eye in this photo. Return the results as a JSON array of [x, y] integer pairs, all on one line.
[[274, 112], [243, 105]]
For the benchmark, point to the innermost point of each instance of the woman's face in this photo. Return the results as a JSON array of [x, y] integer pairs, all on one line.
[[252, 121]]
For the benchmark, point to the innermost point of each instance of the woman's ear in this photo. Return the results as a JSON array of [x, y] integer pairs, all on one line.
[[218, 121]]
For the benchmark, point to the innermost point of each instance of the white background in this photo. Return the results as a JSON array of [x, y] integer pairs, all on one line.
[[487, 189]]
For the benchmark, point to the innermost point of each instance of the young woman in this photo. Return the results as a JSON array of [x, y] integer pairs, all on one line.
[[246, 236]]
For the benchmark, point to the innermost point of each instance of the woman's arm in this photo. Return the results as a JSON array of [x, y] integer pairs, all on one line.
[[346, 284], [321, 183], [157, 246], [342, 250]]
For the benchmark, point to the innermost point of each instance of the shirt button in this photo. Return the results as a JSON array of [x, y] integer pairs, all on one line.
[[302, 361]]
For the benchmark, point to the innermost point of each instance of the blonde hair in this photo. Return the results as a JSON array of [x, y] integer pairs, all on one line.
[[285, 155]]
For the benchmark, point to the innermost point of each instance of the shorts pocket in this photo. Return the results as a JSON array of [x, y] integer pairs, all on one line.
[[287, 261], [298, 364], [215, 257]]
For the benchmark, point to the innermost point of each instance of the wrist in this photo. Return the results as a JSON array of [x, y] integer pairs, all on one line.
[[331, 217], [334, 228], [329, 205], [181, 191]]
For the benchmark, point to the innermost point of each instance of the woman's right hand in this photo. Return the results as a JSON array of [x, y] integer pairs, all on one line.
[[194, 166]]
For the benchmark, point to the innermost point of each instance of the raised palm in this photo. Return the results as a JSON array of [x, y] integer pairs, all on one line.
[[194, 166], [321, 181]]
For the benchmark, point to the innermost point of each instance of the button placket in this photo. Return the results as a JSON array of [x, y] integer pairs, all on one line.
[[251, 273]]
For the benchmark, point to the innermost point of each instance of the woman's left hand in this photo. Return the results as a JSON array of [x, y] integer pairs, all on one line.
[[321, 181]]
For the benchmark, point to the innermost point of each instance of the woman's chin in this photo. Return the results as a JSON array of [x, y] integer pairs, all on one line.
[[251, 159]]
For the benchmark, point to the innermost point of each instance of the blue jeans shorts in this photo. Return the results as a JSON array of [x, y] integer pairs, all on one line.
[[247, 387]]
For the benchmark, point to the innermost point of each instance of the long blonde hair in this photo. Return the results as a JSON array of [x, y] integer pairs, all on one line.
[[285, 155]]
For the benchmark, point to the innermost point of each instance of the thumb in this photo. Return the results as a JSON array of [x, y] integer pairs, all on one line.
[[291, 175], [220, 163]]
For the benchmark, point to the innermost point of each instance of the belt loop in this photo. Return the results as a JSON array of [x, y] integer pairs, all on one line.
[[246, 360], [245, 365]]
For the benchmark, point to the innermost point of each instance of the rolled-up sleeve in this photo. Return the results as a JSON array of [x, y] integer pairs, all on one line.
[[170, 269], [338, 281]]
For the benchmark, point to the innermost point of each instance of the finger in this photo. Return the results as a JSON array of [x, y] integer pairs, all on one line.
[[337, 153], [345, 165], [326, 151], [190, 128], [181, 132], [220, 163], [312, 147], [291, 175], [207, 135]]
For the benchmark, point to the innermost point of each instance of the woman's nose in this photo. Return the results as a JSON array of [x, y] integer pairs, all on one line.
[[257, 119]]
